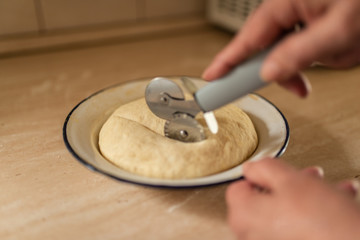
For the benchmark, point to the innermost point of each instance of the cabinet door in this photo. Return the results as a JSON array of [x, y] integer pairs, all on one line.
[[17, 16], [60, 14]]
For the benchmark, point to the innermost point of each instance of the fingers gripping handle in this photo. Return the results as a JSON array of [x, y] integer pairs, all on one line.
[[242, 80]]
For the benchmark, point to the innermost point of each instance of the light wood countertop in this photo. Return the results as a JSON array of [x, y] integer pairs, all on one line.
[[47, 194]]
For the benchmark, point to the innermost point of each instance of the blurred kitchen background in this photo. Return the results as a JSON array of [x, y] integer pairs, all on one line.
[[38, 25], [55, 53]]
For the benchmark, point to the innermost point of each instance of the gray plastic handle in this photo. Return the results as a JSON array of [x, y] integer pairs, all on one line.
[[244, 79]]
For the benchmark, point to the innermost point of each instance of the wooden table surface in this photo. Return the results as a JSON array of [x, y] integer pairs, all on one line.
[[47, 194]]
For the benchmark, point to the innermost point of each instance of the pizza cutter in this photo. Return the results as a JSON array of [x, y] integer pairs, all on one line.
[[167, 100]]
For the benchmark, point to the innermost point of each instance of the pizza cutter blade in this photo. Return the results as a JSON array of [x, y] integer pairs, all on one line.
[[166, 100], [184, 128]]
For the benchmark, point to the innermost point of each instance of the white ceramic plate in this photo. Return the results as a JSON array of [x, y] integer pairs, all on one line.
[[82, 126]]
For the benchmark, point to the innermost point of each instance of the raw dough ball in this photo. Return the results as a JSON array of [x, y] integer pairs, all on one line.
[[133, 139]]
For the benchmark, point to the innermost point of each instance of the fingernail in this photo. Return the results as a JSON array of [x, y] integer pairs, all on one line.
[[315, 171], [320, 171], [353, 188], [210, 74], [355, 185], [271, 71], [205, 74], [307, 85]]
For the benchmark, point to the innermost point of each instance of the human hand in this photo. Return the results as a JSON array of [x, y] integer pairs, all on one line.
[[275, 201], [331, 36]]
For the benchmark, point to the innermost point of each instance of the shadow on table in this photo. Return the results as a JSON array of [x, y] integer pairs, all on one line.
[[310, 145], [207, 202], [313, 145]]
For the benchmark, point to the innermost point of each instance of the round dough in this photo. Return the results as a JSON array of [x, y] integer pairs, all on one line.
[[133, 139]]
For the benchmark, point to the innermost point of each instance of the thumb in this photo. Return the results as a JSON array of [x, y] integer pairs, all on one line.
[[268, 173]]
